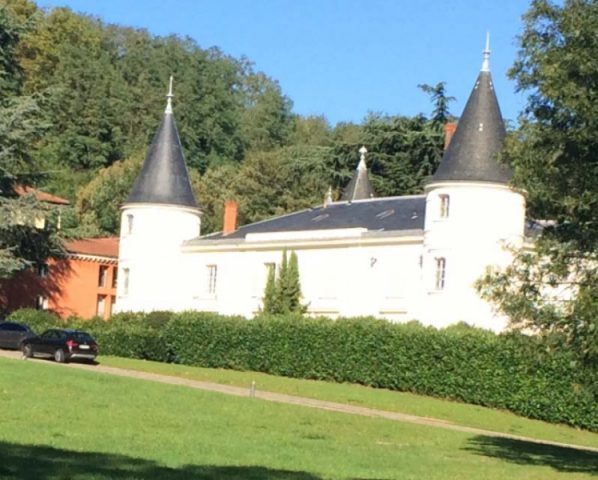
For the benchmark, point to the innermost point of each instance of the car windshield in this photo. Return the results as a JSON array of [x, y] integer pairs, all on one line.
[[81, 337]]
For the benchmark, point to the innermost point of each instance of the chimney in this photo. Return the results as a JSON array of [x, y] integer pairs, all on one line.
[[449, 130], [230, 217]]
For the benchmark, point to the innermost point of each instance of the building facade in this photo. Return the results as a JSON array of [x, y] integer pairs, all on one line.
[[400, 258], [82, 283]]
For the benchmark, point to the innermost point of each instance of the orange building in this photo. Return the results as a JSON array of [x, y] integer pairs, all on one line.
[[83, 283]]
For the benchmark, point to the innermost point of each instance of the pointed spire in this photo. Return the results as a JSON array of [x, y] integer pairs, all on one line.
[[472, 153], [359, 187], [169, 96], [362, 152], [486, 55], [164, 178]]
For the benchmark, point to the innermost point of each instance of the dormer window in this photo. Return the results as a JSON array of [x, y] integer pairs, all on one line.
[[444, 205]]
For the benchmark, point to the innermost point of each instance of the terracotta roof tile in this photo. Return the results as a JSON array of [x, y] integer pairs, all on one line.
[[103, 247], [22, 190]]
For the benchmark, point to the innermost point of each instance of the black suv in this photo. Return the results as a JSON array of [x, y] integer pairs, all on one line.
[[62, 345]]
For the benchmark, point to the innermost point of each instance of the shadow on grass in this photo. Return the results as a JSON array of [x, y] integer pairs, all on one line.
[[521, 452], [24, 462]]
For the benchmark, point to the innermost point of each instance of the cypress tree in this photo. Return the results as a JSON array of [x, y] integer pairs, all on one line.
[[270, 292], [283, 293]]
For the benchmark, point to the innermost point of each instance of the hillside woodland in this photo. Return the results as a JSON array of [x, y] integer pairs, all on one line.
[[98, 93]]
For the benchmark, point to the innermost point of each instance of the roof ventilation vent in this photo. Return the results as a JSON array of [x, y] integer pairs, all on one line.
[[385, 213], [319, 218]]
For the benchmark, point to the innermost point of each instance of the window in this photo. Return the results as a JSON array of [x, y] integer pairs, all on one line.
[[129, 224], [41, 302], [102, 276], [101, 306], [444, 205], [440, 273], [126, 274], [42, 270], [212, 275], [114, 277]]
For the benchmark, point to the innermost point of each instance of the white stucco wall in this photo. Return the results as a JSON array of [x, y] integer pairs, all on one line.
[[484, 220], [151, 252], [343, 276]]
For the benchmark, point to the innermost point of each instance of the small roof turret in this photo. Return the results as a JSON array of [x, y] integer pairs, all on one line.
[[164, 178], [359, 187], [471, 155]]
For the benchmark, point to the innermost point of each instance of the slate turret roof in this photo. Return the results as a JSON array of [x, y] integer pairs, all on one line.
[[359, 188], [472, 153], [164, 178]]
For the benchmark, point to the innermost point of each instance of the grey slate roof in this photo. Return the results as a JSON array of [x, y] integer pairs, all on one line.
[[163, 178], [471, 155], [381, 214], [359, 188]]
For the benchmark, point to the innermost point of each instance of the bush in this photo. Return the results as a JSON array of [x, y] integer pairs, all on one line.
[[509, 371]]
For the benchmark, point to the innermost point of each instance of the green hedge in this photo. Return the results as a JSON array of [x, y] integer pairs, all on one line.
[[466, 364]]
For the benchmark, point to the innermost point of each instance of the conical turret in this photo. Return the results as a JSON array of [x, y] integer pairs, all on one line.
[[472, 153], [359, 187], [164, 178]]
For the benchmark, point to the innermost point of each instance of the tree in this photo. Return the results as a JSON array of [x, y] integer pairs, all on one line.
[[98, 202], [441, 113], [282, 294], [554, 158], [270, 301], [27, 235]]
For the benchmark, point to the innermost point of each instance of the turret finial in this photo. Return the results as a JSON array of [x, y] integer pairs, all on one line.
[[169, 96], [328, 199], [486, 54], [362, 152]]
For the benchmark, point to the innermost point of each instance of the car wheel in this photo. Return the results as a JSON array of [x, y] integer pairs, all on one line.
[[59, 356], [27, 351]]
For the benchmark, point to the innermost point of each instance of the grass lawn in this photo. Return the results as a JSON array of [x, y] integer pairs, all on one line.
[[62, 423], [458, 413]]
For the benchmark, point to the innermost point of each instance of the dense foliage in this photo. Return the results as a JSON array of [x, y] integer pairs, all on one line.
[[103, 88], [22, 241], [461, 363], [555, 159]]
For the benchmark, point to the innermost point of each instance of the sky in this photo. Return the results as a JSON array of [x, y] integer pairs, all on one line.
[[345, 58]]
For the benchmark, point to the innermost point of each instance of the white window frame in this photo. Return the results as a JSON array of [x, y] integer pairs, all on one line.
[[101, 306], [445, 205], [102, 275], [440, 273], [41, 302], [212, 278], [126, 278], [129, 224]]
